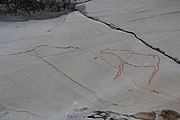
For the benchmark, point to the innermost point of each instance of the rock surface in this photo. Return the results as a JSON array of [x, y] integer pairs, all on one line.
[[156, 22], [50, 67]]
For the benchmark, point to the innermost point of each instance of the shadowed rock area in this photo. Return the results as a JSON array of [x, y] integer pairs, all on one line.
[[85, 114]]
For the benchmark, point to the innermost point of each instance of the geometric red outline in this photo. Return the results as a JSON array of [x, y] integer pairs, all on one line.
[[39, 46], [124, 62]]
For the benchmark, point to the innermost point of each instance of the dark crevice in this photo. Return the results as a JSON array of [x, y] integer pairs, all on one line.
[[114, 27], [107, 115]]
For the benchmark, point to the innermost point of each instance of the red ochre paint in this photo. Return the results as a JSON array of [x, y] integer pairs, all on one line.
[[40, 46], [123, 63]]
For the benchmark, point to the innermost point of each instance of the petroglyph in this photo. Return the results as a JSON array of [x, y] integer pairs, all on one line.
[[134, 59], [41, 46]]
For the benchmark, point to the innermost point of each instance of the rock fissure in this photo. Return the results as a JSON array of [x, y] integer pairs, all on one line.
[[79, 84], [20, 111], [114, 27]]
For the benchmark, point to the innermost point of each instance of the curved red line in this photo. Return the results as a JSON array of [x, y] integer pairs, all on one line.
[[39, 46], [156, 68]]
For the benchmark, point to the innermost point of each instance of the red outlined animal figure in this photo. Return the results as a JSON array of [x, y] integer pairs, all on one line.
[[134, 59], [41, 46]]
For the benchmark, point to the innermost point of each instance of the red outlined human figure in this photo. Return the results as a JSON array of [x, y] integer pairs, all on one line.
[[41, 46], [134, 59]]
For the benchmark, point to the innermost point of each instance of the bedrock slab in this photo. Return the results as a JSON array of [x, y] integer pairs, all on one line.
[[154, 21]]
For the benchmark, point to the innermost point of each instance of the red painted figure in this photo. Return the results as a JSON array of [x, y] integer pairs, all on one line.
[[134, 59], [41, 46]]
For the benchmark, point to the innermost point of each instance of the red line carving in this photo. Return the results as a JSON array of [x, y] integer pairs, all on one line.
[[39, 46], [124, 61]]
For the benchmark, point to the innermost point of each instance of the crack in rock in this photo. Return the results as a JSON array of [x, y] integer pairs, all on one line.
[[114, 27], [4, 111], [79, 84]]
